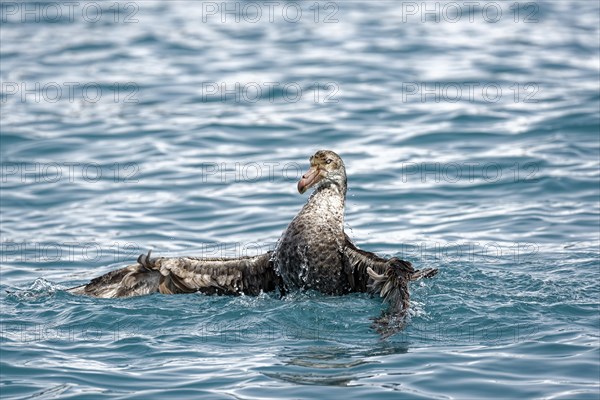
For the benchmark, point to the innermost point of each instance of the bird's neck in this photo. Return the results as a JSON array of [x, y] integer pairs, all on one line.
[[328, 201], [329, 189]]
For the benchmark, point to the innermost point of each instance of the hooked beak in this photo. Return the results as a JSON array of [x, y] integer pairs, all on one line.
[[309, 179]]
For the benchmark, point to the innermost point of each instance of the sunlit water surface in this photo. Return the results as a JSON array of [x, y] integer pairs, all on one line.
[[497, 189]]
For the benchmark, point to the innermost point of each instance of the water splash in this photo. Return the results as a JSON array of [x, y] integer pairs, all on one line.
[[39, 289]]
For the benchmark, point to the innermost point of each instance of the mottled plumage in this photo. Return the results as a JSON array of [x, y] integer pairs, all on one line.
[[312, 253]]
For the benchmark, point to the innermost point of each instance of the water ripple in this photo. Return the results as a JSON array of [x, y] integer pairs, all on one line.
[[502, 196]]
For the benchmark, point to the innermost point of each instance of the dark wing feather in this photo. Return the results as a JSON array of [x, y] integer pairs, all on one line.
[[247, 275], [356, 264], [389, 278], [133, 280]]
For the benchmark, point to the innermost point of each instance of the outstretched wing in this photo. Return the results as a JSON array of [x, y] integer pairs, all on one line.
[[356, 265], [133, 280], [389, 278], [247, 275]]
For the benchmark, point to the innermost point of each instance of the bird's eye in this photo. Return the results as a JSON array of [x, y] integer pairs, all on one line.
[[329, 161]]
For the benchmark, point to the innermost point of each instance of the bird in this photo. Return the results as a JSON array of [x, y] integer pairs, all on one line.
[[313, 253]]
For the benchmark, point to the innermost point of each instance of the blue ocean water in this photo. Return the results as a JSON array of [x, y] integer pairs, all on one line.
[[470, 135]]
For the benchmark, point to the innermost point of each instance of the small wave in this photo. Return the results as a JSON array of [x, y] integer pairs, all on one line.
[[40, 288]]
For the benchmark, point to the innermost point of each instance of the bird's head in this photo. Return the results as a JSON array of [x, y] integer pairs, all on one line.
[[326, 167]]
